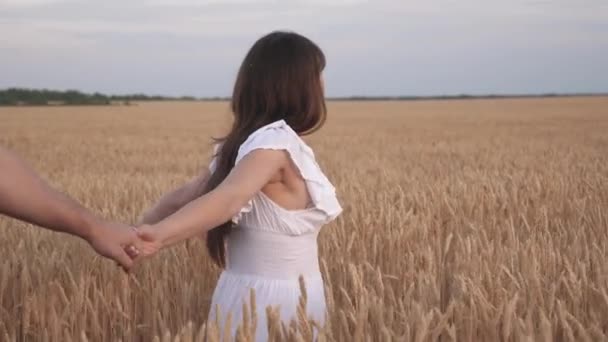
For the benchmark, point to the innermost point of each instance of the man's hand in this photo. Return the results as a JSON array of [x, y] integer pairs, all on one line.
[[111, 239]]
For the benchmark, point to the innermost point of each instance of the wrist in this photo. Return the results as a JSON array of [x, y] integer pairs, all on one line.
[[90, 228], [162, 236]]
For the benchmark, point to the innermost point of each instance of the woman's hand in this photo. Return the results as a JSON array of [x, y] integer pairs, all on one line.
[[149, 242]]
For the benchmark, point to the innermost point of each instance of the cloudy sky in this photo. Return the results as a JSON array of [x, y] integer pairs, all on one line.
[[377, 47]]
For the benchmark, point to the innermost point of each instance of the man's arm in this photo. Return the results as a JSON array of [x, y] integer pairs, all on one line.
[[25, 196]]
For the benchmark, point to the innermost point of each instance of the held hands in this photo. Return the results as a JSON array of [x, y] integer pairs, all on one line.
[[124, 244], [147, 244], [109, 239]]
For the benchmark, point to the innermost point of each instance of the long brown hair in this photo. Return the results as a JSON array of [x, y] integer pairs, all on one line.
[[280, 78]]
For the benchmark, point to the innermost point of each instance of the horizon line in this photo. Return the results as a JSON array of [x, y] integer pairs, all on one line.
[[346, 97]]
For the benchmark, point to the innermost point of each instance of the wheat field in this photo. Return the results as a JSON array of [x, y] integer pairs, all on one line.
[[476, 220]]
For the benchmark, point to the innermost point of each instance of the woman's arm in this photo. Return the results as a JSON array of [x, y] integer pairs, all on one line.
[[248, 177], [174, 200]]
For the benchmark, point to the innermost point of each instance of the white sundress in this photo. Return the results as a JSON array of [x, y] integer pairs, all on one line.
[[272, 246]]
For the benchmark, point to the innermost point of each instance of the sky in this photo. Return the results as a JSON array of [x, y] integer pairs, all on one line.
[[373, 48]]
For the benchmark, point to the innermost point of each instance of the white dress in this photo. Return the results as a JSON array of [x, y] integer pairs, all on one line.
[[272, 246]]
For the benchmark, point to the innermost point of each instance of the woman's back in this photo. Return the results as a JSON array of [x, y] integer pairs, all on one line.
[[271, 246]]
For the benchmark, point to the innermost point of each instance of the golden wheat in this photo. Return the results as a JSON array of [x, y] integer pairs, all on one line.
[[476, 220]]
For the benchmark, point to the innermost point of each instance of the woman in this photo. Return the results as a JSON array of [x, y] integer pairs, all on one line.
[[264, 198]]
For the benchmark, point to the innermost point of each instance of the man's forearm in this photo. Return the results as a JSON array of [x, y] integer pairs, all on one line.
[[25, 196]]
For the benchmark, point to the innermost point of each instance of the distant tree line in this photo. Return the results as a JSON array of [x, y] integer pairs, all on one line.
[[43, 97], [437, 97], [460, 97]]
